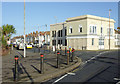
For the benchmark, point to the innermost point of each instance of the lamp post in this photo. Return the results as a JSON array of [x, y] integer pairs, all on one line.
[[109, 28], [24, 31]]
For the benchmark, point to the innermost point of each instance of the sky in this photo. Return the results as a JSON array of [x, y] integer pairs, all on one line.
[[37, 14]]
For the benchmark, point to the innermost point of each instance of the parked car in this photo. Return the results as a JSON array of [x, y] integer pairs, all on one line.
[[21, 46], [29, 45]]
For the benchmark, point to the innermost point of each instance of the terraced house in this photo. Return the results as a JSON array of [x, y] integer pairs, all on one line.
[[85, 32]]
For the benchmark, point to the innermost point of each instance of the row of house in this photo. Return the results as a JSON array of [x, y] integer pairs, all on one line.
[[35, 37], [85, 32]]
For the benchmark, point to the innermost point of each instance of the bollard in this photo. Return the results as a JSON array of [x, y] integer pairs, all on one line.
[[65, 50], [58, 65], [68, 58], [16, 68], [42, 63]]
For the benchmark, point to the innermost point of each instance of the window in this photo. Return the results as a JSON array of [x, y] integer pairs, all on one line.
[[61, 42], [61, 33], [70, 30], [93, 29], [80, 28], [65, 42], [53, 42], [101, 41], [58, 41], [92, 41], [111, 31], [101, 30], [52, 33], [65, 32]]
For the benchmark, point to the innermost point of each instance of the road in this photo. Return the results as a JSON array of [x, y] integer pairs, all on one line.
[[97, 66]]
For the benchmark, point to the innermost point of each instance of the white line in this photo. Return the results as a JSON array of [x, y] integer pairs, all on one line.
[[60, 79], [118, 82], [71, 73], [63, 77], [116, 79]]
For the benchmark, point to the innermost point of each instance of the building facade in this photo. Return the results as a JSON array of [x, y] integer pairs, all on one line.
[[88, 32], [117, 38], [58, 33]]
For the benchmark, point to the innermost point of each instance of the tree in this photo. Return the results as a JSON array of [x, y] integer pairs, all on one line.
[[7, 31]]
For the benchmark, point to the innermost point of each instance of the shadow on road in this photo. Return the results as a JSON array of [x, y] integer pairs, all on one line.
[[26, 72], [36, 69]]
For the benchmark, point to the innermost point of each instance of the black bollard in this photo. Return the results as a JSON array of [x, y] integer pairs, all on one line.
[[58, 65], [16, 69], [42, 63], [68, 57]]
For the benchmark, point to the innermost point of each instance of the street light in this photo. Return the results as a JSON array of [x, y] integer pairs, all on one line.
[[109, 28], [39, 31], [24, 31]]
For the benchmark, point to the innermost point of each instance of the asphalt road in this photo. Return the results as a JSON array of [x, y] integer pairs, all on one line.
[[97, 66]]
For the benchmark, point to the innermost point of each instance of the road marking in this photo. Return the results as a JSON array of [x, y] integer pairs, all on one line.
[[95, 57], [116, 79], [63, 77], [118, 82], [71, 73]]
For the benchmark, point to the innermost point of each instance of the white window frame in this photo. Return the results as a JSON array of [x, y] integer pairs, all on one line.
[[80, 27], [70, 30], [92, 41], [101, 31], [111, 33], [93, 29]]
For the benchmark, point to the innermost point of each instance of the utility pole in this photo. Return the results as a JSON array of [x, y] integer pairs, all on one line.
[[24, 31], [56, 31], [109, 28]]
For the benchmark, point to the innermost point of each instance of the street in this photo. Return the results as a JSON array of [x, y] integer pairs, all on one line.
[[97, 66]]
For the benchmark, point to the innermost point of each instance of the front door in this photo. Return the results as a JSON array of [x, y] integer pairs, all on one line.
[[101, 44]]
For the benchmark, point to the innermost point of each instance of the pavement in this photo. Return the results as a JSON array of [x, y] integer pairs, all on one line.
[[29, 67]]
